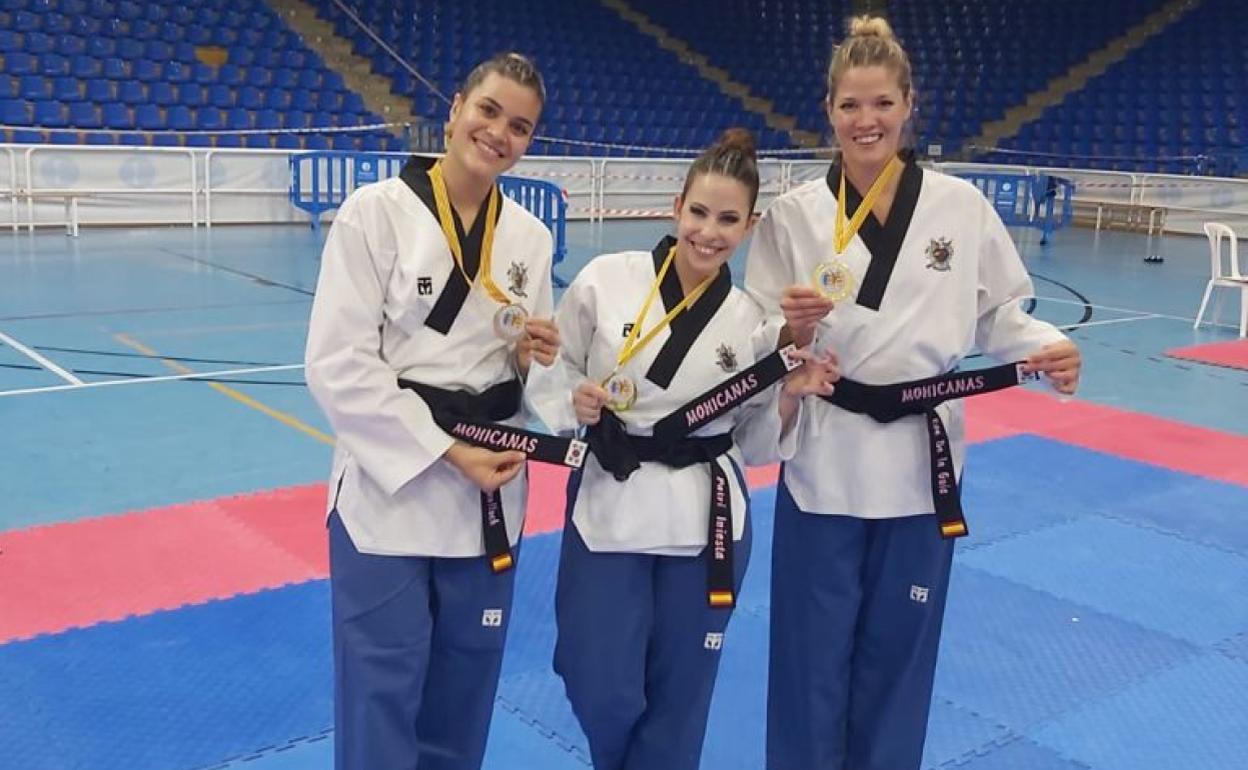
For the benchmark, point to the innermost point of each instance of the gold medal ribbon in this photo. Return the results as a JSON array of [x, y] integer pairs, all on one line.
[[447, 220], [847, 228], [635, 342]]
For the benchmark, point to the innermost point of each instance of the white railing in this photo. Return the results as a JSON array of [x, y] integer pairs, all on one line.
[[172, 185]]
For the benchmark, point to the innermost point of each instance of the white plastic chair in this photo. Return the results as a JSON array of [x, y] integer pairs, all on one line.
[[1221, 275]]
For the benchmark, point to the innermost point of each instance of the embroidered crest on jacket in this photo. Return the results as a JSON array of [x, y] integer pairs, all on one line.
[[518, 275], [940, 254]]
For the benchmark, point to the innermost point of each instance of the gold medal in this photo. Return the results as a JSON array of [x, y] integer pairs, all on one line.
[[834, 280], [621, 392], [509, 321]]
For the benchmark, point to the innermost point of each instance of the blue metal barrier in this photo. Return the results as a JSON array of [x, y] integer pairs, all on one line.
[[320, 181], [1042, 201]]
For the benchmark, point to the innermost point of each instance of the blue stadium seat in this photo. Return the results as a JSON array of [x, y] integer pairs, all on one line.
[[191, 94], [238, 118], [132, 92], [277, 99], [148, 116], [229, 74], [129, 48], [285, 78], [34, 87], [29, 137], [157, 50], [268, 119], [37, 43], [66, 89], [162, 94], [203, 74], [84, 115], [117, 115], [51, 114], [83, 67], [146, 70], [25, 21], [251, 98], [209, 119], [220, 96]]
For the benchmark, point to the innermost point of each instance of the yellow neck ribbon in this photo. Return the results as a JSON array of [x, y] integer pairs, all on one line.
[[445, 218], [847, 228], [635, 342]]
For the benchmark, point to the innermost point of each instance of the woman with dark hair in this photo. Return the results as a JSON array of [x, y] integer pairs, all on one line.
[[434, 298], [658, 361]]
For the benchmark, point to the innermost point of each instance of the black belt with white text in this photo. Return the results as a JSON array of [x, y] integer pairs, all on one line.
[[474, 419], [621, 453], [886, 403]]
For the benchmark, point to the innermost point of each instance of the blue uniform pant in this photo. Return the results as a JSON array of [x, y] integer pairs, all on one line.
[[418, 645], [638, 651], [856, 610]]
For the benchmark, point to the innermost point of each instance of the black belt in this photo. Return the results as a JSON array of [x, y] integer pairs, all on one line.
[[620, 453], [887, 403], [473, 419]]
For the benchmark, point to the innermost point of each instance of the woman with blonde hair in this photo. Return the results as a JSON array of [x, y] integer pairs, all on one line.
[[902, 272]]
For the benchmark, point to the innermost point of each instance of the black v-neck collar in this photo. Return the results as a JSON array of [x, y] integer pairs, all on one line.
[[415, 175], [883, 241], [688, 325]]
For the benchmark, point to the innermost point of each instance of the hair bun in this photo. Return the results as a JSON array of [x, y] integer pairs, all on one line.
[[870, 26], [738, 139]]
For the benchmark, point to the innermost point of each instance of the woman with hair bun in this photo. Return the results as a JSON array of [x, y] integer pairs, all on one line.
[[662, 362], [902, 272]]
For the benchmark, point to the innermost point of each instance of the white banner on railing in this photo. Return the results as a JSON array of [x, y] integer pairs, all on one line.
[[156, 185]]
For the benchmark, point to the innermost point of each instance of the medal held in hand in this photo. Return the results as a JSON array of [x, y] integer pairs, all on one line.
[[509, 321], [833, 279], [621, 392]]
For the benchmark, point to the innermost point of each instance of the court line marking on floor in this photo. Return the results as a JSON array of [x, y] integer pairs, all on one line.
[[145, 310], [142, 380], [301, 323], [1135, 310], [43, 361], [289, 421], [1107, 322]]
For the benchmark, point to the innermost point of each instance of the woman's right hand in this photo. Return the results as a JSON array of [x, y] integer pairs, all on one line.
[[486, 468], [588, 400], [803, 308]]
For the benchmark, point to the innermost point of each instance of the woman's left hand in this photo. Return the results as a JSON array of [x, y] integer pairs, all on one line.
[[1060, 362], [540, 342], [814, 377]]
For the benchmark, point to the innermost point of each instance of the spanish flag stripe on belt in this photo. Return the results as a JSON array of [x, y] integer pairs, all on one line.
[[950, 529], [501, 563]]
